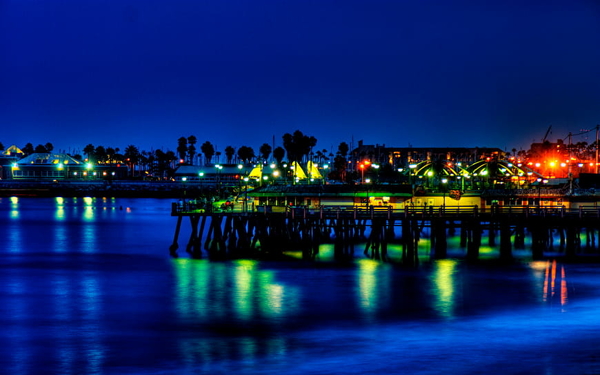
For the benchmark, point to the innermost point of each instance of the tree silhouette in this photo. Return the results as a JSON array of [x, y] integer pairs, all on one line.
[[279, 154], [265, 151], [100, 153], [343, 149], [245, 154], [28, 149], [229, 153], [298, 145], [40, 149], [191, 151], [208, 150], [49, 147], [110, 154], [182, 147], [132, 156], [89, 151]]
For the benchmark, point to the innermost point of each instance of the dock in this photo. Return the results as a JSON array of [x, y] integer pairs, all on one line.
[[265, 233]]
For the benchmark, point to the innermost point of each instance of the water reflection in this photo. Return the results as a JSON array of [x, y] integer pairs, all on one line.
[[555, 284], [374, 283], [14, 207], [238, 299], [443, 282], [91, 307]]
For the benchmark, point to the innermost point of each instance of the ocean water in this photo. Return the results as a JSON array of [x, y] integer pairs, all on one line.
[[87, 286]]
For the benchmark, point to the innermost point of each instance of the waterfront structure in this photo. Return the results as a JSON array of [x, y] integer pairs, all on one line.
[[402, 157], [270, 234], [318, 195], [53, 166], [225, 175]]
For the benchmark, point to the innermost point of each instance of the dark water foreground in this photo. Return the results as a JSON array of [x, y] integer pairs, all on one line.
[[87, 286]]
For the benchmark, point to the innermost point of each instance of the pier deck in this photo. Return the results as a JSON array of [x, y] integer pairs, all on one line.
[[265, 232]]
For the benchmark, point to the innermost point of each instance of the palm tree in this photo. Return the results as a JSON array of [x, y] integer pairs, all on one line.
[[343, 149], [100, 153], [279, 154], [182, 147], [265, 151], [89, 151], [229, 153], [208, 150], [298, 145], [191, 148], [246, 154], [132, 156]]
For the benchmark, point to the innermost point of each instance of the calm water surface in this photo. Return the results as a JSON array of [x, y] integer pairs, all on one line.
[[87, 287]]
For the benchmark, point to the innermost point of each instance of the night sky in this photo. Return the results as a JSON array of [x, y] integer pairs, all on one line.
[[399, 73]]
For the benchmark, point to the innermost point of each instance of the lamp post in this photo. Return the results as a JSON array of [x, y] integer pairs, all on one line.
[[411, 168], [200, 175], [362, 173], [246, 195], [444, 182], [219, 167]]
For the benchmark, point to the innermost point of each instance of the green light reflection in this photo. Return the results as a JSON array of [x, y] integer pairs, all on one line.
[[230, 295]]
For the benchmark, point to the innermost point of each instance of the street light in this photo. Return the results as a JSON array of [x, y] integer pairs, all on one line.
[[218, 167], [444, 182], [246, 195]]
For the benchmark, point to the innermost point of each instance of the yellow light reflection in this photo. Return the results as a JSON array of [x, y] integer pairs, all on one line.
[[367, 286], [443, 287], [60, 209], [14, 207], [244, 280], [88, 206]]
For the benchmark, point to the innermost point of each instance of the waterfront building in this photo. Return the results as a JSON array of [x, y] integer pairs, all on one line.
[[319, 195], [52, 166], [402, 157]]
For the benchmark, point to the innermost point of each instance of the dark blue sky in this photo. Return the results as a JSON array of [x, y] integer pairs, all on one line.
[[421, 73]]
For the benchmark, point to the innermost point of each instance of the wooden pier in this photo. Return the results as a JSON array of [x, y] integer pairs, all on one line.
[[264, 234]]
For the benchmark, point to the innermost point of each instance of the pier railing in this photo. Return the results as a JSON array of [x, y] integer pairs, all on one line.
[[366, 212]]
